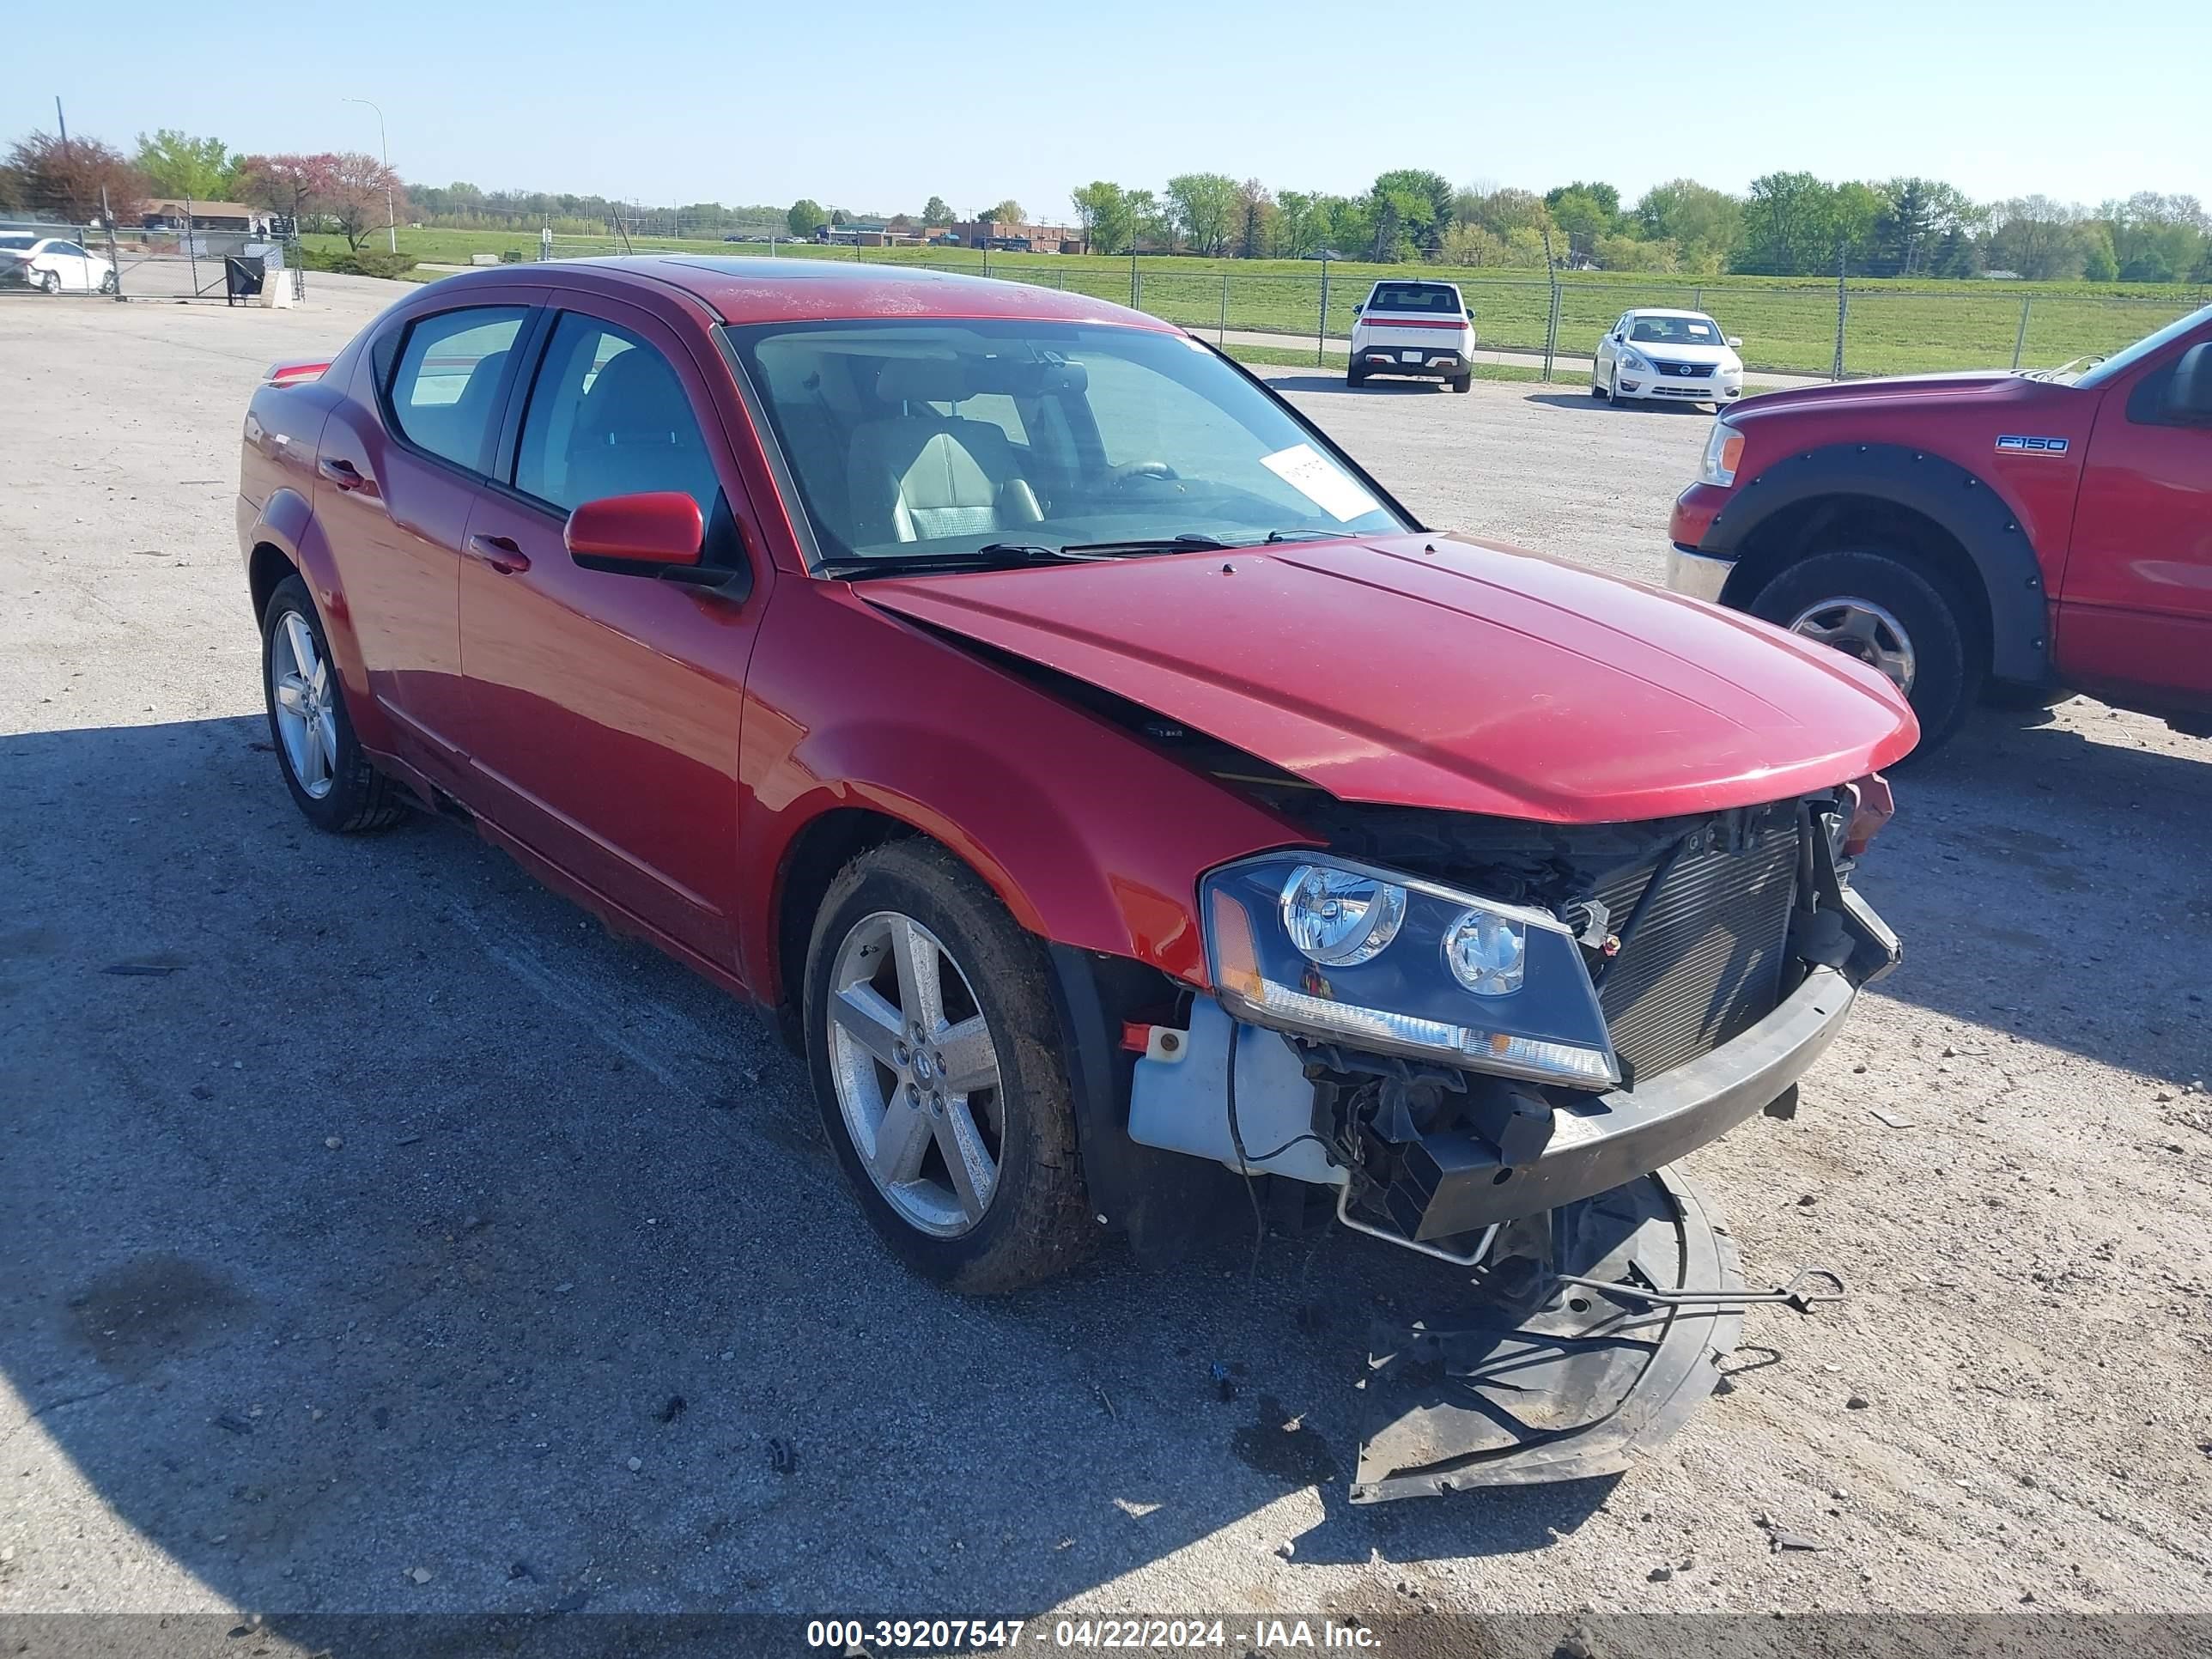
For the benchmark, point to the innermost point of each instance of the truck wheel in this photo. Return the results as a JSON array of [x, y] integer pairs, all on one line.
[[332, 781], [1463, 383], [1891, 616], [1354, 375], [936, 1056]]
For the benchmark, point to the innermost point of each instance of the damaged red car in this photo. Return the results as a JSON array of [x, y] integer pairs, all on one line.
[[1124, 805]]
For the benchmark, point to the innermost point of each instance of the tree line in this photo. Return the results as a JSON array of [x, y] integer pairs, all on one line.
[[1784, 224], [88, 181]]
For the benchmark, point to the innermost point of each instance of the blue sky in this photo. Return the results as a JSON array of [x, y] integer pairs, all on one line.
[[871, 105]]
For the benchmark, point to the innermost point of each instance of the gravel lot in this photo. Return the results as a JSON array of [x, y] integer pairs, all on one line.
[[388, 1215]]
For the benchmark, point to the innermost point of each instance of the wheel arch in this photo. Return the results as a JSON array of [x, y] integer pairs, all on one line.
[[1161, 1201], [1954, 526], [283, 539]]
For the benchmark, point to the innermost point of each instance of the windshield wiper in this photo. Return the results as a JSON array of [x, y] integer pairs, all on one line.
[[994, 556], [1309, 536], [1153, 545]]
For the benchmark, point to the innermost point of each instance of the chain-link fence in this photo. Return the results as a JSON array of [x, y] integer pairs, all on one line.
[[58, 259], [1816, 329]]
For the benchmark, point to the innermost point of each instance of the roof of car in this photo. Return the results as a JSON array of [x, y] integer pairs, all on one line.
[[748, 288]]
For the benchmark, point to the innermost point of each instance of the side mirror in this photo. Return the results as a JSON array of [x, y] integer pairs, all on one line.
[[1470, 311], [2189, 394], [642, 535], [1734, 342], [1358, 306]]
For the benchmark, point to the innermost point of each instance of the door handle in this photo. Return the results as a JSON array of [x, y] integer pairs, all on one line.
[[344, 474], [499, 552]]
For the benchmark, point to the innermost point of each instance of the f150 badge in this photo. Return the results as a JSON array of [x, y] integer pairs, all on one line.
[[2015, 445]]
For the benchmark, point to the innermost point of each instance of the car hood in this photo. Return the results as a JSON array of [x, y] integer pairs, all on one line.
[[1437, 671], [1900, 389], [1715, 354]]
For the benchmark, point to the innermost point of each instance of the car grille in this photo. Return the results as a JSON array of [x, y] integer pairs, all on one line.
[[1705, 964], [1684, 371]]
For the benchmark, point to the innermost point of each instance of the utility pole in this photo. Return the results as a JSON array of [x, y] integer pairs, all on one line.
[[61, 121], [383, 150]]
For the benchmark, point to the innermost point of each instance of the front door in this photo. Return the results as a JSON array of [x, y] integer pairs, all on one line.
[[394, 498], [2136, 606], [603, 707]]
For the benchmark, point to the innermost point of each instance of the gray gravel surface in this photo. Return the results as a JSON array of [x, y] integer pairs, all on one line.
[[381, 1211]]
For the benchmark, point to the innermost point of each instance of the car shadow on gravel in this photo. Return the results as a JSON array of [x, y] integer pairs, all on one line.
[[1581, 399], [379, 1234], [2052, 884], [1336, 382]]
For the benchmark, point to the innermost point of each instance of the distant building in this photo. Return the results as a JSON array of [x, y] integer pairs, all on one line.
[[168, 213], [871, 232], [1000, 236]]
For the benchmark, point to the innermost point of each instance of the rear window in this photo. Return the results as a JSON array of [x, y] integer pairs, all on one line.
[[445, 391], [1415, 296]]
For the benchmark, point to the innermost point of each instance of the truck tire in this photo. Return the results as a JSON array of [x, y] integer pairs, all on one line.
[[1354, 375], [1892, 615], [917, 980], [1463, 383]]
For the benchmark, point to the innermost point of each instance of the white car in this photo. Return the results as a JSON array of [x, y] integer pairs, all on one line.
[[56, 265], [1421, 329], [1677, 356]]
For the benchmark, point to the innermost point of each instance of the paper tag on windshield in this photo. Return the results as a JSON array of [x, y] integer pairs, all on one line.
[[1321, 482]]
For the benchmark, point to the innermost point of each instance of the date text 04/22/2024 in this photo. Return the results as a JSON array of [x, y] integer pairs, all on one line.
[[1148, 1634]]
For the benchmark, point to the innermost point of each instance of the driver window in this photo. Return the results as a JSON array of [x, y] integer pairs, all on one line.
[[608, 416]]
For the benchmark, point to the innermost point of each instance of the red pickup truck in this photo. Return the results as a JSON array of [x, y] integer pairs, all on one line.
[[2014, 537]]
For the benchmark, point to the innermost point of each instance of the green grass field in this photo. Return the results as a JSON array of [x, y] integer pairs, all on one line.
[[1787, 325]]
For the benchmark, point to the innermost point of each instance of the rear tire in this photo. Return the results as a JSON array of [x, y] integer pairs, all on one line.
[[1355, 376], [1463, 383], [883, 1088], [51, 281], [1942, 665], [330, 779]]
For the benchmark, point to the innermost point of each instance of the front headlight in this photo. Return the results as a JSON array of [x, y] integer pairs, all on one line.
[[1724, 449], [1335, 950], [1635, 361]]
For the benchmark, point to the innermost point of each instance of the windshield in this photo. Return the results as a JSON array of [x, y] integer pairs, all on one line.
[[1674, 331], [930, 441], [1414, 296], [2120, 361]]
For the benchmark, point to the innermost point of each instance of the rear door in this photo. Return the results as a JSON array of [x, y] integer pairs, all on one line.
[[604, 709], [399, 466], [2135, 602]]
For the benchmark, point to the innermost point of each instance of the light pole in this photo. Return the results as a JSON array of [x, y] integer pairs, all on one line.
[[390, 215]]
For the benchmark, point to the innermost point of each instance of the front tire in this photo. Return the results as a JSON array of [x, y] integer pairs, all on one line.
[[330, 779], [1891, 615], [107, 282], [935, 1052]]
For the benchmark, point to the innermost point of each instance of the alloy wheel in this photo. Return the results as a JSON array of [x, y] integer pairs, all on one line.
[[916, 1073], [301, 692], [1863, 630]]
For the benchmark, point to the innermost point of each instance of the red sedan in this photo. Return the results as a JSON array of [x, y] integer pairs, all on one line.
[[1117, 796]]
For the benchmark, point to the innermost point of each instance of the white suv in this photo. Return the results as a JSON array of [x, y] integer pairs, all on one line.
[[1420, 329]]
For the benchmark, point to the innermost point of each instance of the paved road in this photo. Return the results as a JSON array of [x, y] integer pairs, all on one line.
[[363, 1207]]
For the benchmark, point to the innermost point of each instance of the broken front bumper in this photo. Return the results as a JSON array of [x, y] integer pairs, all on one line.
[[1455, 1182]]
